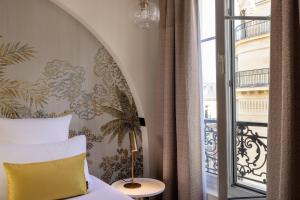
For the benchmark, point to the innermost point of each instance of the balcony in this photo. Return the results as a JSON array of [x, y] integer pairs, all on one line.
[[252, 78], [250, 159], [252, 29]]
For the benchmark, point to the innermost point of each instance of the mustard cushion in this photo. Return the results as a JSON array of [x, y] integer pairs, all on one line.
[[50, 180]]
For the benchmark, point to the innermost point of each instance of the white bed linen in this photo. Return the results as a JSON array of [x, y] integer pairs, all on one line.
[[101, 191], [32, 153], [34, 131]]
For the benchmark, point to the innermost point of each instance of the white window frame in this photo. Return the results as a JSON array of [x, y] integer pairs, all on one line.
[[225, 97]]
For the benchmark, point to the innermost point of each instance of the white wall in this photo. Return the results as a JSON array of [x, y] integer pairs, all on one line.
[[135, 51]]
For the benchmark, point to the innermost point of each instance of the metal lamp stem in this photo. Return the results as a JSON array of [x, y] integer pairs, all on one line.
[[134, 149], [132, 167]]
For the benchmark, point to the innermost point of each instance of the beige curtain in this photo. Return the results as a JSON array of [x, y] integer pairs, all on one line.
[[181, 115], [284, 131]]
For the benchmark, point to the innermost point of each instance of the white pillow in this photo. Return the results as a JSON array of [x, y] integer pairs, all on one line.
[[34, 131], [26, 153]]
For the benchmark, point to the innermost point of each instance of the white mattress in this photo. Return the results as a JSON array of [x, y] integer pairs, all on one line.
[[99, 190]]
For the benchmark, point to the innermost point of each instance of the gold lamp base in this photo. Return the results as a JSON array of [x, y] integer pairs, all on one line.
[[132, 185]]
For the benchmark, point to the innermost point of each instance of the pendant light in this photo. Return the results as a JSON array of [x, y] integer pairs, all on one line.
[[145, 14]]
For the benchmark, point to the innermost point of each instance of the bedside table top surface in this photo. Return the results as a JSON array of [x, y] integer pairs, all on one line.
[[150, 187]]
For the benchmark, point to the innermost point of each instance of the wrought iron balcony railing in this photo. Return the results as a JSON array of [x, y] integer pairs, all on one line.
[[252, 78], [250, 152], [251, 29]]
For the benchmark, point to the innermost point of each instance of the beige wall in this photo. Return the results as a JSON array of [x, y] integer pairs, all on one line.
[[252, 105], [135, 51], [255, 7], [253, 53]]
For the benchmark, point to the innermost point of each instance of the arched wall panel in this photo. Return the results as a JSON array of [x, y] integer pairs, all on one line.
[[50, 65]]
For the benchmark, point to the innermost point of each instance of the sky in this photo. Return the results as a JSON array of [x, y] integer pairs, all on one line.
[[208, 48]]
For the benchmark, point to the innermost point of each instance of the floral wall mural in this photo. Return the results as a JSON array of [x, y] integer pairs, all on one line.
[[50, 68]]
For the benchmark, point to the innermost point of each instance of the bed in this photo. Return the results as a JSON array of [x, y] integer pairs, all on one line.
[[27, 141], [100, 189]]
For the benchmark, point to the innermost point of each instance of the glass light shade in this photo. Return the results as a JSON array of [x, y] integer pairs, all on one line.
[[145, 14]]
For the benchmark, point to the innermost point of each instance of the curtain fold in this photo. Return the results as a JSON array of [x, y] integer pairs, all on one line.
[[283, 178], [181, 100]]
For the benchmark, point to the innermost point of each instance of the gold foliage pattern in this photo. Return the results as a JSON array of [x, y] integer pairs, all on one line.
[[44, 114], [14, 53], [63, 82], [89, 104], [15, 95], [110, 76], [116, 167], [86, 106], [125, 119], [90, 137], [13, 92]]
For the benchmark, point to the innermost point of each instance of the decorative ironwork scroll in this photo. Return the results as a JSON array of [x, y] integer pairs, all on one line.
[[251, 150], [211, 145]]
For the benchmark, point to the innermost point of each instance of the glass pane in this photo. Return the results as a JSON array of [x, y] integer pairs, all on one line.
[[252, 7], [207, 11], [208, 51], [252, 63]]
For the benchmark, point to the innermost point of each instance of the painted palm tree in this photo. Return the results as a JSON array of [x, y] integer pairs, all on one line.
[[13, 93], [126, 120], [126, 123]]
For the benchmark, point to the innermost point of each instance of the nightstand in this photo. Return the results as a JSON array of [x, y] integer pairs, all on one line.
[[150, 188]]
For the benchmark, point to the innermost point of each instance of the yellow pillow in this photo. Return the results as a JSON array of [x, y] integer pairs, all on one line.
[[50, 180]]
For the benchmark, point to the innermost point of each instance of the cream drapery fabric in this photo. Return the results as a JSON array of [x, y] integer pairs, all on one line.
[[181, 100], [283, 177]]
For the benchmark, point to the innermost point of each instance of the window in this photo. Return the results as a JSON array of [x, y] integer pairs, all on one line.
[[248, 36], [247, 63]]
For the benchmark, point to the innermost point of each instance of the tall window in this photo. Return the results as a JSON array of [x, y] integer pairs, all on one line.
[[248, 50], [247, 38]]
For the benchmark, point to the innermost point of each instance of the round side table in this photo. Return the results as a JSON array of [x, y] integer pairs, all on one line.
[[150, 187]]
